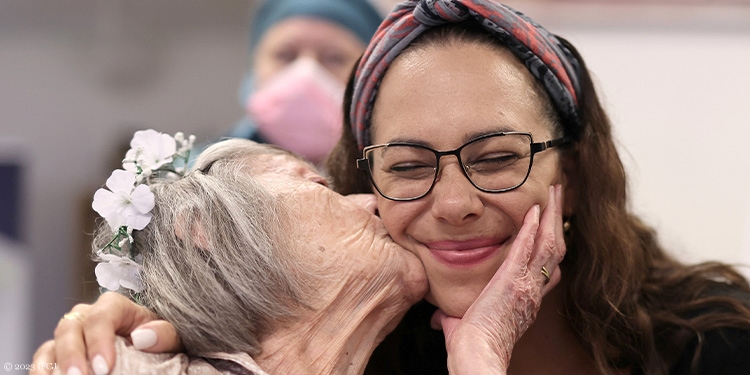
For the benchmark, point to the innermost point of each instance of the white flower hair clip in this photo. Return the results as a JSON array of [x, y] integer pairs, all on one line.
[[127, 202]]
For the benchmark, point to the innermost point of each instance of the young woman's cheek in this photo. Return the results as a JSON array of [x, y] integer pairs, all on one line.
[[397, 218]]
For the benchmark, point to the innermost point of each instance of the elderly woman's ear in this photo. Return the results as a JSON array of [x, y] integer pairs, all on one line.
[[189, 228]]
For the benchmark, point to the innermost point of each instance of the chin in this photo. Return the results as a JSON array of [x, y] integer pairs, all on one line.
[[454, 294], [453, 304]]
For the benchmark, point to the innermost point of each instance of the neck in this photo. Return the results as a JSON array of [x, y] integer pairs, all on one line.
[[337, 339]]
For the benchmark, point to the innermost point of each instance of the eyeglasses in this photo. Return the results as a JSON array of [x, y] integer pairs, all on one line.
[[493, 163]]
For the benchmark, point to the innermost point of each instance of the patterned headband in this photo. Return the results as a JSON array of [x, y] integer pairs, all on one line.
[[543, 54]]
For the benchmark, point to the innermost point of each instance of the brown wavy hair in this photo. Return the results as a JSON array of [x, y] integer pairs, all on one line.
[[631, 304]]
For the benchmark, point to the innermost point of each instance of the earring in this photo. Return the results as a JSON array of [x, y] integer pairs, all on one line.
[[566, 226]]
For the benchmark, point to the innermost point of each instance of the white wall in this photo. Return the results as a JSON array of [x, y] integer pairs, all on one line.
[[675, 80], [682, 114], [77, 76]]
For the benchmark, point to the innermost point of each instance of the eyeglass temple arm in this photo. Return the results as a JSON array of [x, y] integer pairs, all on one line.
[[362, 164], [541, 146]]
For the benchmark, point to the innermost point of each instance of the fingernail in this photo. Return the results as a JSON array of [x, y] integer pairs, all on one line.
[[537, 212], [143, 338], [100, 366], [72, 370]]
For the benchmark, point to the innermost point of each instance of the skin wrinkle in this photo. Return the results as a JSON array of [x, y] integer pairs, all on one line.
[[353, 289], [345, 284], [362, 296]]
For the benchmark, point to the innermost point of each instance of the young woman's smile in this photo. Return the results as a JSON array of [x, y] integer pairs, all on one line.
[[454, 253]]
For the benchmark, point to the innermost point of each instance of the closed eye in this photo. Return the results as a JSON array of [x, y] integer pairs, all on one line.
[[412, 170], [494, 163]]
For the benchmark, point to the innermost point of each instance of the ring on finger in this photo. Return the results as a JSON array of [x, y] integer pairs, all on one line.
[[74, 315], [545, 273]]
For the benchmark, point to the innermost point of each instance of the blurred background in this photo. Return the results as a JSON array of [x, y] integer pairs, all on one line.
[[77, 77]]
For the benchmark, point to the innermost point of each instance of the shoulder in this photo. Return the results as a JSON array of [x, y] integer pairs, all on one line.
[[132, 361]]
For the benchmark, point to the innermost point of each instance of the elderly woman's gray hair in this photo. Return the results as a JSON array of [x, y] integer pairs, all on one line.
[[216, 262]]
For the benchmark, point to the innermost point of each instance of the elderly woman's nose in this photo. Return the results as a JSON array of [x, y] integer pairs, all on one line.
[[368, 201]]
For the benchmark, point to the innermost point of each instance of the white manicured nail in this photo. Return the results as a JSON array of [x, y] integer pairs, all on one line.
[[143, 338], [72, 370], [99, 365]]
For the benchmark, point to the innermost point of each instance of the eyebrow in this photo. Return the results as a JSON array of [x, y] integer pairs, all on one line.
[[466, 138]]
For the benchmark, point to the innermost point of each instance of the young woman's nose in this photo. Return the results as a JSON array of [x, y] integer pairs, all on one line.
[[454, 198]]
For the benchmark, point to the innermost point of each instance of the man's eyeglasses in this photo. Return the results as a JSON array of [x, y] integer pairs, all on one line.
[[493, 163]]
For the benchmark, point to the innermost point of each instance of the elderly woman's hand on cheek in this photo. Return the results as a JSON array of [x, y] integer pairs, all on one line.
[[482, 341]]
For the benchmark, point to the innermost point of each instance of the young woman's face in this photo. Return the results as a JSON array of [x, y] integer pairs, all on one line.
[[441, 98]]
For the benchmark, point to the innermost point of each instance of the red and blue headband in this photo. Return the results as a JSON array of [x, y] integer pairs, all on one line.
[[548, 60]]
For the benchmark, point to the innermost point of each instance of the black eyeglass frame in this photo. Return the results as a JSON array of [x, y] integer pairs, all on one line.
[[364, 165]]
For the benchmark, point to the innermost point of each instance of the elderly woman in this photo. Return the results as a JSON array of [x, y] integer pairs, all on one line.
[[466, 117], [218, 245]]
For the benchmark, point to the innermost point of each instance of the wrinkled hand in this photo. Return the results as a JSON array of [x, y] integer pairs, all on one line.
[[482, 341], [89, 335]]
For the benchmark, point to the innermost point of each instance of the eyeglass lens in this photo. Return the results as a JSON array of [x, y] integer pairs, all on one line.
[[494, 163]]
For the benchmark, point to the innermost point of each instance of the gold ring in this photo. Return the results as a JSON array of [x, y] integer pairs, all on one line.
[[545, 273], [73, 316]]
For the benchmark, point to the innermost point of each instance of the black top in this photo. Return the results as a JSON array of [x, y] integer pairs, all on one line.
[[414, 348]]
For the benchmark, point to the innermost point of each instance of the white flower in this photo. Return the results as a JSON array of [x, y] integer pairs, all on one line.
[[128, 203], [115, 271], [149, 150], [185, 144], [179, 137], [124, 204]]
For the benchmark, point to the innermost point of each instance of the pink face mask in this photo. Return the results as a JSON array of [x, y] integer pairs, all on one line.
[[299, 109]]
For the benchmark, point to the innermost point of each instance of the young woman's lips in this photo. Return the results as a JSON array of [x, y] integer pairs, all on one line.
[[464, 253]]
